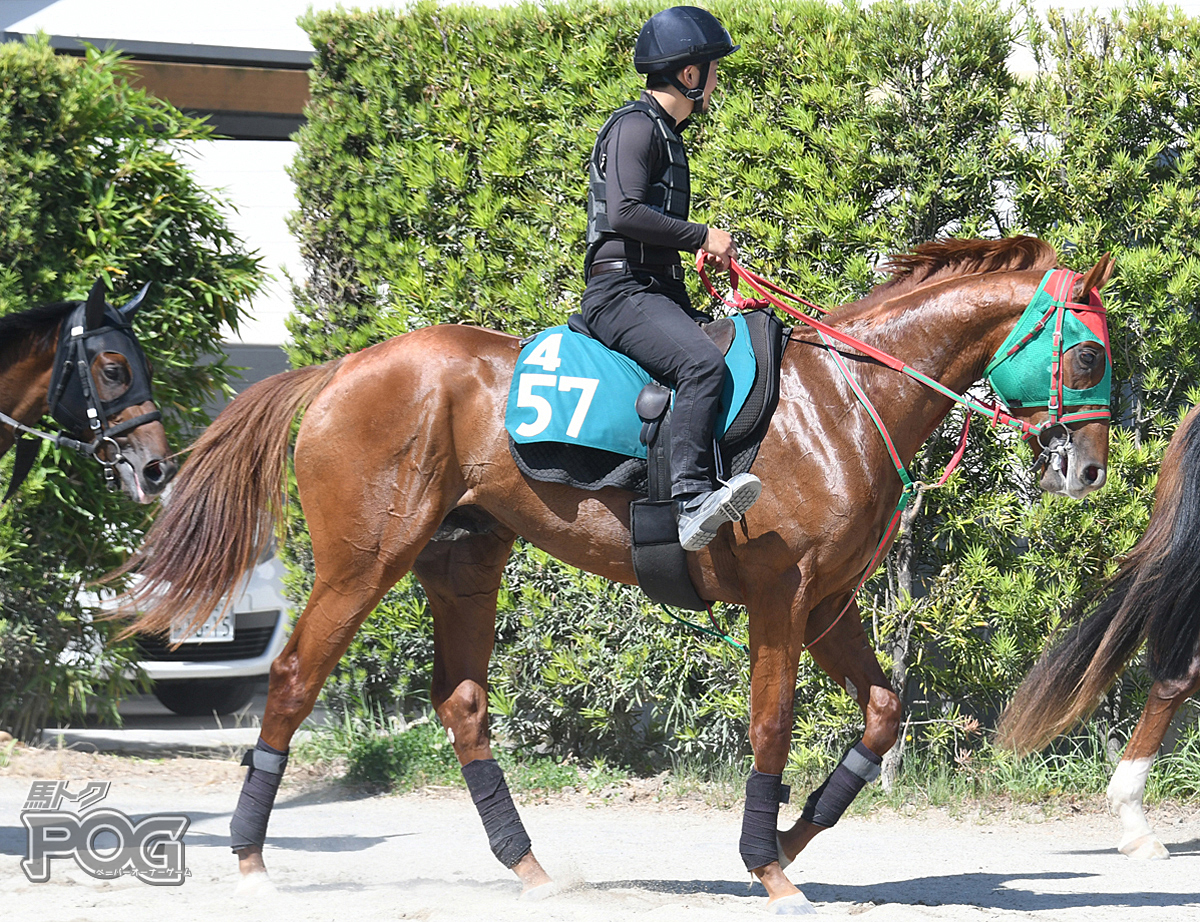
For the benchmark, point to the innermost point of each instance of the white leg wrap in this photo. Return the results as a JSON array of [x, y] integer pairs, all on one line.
[[1125, 793]]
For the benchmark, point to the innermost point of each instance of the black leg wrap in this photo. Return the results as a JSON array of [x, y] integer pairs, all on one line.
[[506, 834], [827, 803], [249, 824], [764, 794]]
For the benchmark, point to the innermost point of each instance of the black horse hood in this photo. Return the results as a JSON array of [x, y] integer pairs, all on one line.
[[92, 328]]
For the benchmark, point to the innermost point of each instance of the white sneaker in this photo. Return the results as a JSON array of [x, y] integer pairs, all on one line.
[[701, 516]]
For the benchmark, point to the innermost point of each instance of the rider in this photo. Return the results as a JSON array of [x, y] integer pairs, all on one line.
[[635, 301]]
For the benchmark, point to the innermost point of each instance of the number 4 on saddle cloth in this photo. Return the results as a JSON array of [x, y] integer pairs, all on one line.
[[573, 418]]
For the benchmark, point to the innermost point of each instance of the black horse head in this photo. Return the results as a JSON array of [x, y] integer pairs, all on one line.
[[100, 394]]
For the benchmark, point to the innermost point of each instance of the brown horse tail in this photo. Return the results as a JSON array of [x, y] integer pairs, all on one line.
[[222, 507], [1155, 596]]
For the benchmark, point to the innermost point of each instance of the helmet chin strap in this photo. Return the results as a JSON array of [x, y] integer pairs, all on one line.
[[696, 93]]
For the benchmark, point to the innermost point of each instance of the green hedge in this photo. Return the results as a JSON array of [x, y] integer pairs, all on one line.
[[91, 186], [441, 178]]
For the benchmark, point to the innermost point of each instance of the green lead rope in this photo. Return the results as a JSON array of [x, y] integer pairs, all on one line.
[[700, 628]]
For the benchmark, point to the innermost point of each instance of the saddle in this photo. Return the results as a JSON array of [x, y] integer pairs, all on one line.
[[752, 387]]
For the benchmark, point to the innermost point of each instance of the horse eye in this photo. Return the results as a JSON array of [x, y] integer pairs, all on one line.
[[114, 373], [1087, 357]]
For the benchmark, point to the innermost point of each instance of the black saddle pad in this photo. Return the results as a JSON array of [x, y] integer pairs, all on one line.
[[594, 469]]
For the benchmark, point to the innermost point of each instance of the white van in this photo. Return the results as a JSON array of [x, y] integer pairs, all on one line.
[[218, 668]]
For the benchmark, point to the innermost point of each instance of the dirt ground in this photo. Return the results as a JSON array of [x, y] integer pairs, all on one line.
[[339, 854]]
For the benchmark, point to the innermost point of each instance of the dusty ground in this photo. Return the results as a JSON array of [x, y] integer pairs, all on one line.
[[339, 854]]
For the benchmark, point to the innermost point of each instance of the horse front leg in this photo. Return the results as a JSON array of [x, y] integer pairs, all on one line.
[[774, 657], [1128, 784], [845, 654], [461, 579]]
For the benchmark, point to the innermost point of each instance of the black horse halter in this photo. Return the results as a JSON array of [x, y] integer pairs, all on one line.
[[89, 330]]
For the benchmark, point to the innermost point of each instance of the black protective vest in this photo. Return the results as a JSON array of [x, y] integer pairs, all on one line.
[[670, 193]]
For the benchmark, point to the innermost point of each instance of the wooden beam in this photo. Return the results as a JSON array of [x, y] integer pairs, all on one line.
[[221, 88]]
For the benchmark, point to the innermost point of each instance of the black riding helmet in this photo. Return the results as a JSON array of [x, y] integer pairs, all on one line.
[[677, 37]]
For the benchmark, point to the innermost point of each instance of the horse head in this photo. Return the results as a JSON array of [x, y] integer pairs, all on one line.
[[100, 393], [1069, 436]]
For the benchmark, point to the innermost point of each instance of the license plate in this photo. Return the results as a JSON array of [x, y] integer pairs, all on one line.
[[217, 629]]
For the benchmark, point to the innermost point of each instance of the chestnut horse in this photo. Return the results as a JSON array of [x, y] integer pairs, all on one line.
[[408, 436], [127, 436], [1155, 598]]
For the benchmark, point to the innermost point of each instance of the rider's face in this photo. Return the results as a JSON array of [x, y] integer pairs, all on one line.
[[692, 79], [709, 86]]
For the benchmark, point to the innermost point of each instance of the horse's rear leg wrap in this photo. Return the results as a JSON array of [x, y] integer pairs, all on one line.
[[764, 794], [827, 803], [248, 828], [506, 834]]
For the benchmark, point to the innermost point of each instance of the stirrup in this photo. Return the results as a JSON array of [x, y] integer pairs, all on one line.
[[728, 503]]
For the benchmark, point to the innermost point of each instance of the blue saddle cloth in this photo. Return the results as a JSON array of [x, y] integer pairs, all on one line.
[[571, 389]]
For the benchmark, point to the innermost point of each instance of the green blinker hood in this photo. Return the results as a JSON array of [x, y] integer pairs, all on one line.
[[1030, 359]]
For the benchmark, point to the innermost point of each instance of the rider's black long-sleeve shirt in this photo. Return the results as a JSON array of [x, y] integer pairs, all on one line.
[[635, 158]]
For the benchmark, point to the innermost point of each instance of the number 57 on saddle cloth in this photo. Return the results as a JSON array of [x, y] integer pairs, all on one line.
[[571, 389]]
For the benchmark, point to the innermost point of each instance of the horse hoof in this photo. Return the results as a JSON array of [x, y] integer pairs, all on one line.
[[255, 885], [795, 905], [539, 893], [1145, 848]]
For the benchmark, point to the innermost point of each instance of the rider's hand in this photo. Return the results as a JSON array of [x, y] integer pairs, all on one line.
[[719, 249]]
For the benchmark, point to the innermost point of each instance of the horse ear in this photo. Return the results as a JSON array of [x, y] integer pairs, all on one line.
[[1096, 277], [132, 307], [94, 314]]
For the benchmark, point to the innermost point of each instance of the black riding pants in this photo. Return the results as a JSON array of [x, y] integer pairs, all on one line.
[[650, 319]]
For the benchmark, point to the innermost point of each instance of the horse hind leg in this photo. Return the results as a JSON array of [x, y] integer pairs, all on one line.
[[1128, 785], [319, 639], [359, 553], [461, 576]]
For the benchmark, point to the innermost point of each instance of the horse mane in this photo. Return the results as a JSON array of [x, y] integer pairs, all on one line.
[[20, 333], [949, 258]]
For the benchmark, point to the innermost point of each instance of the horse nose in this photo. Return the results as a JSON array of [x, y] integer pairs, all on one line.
[[1094, 476], [158, 473]]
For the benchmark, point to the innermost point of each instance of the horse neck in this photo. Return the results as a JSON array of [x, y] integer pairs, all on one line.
[[948, 331], [25, 386]]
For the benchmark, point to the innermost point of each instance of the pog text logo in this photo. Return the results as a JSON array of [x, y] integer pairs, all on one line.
[[104, 843]]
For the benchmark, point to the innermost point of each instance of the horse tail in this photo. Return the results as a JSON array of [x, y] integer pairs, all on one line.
[[1052, 698], [1155, 596], [222, 507], [1171, 591]]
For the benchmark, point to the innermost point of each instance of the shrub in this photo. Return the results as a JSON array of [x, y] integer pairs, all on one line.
[[91, 186]]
